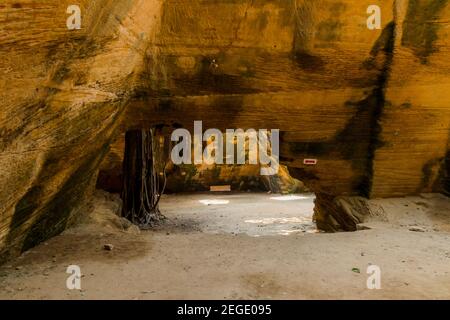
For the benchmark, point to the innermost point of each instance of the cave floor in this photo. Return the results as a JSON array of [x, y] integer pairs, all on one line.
[[216, 246], [253, 214]]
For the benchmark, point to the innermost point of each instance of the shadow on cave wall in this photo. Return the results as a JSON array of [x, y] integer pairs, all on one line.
[[358, 141], [52, 216], [420, 27]]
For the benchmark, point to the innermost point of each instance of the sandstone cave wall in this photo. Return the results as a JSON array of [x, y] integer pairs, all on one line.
[[309, 68], [62, 93], [416, 115], [370, 105]]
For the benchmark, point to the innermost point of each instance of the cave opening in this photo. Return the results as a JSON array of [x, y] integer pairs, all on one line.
[[212, 198]]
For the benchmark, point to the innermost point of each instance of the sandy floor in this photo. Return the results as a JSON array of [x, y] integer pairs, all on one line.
[[243, 247], [252, 214]]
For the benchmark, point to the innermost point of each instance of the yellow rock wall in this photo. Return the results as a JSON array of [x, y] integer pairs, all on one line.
[[370, 105], [61, 96], [416, 116]]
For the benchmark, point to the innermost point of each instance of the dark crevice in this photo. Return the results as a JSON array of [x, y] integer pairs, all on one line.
[[388, 40], [358, 141]]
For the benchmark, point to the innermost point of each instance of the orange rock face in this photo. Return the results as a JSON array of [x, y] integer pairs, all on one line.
[[370, 105]]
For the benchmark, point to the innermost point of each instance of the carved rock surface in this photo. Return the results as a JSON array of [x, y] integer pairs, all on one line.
[[370, 105], [62, 94]]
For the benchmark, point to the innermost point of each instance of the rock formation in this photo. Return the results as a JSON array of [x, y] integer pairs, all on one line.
[[370, 105]]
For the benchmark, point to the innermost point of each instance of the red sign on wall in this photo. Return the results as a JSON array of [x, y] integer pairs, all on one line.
[[310, 162]]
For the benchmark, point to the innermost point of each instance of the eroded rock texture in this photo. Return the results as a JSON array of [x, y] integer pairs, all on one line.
[[370, 105], [62, 95]]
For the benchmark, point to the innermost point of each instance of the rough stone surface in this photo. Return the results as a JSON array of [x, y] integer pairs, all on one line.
[[340, 213], [371, 106], [62, 96]]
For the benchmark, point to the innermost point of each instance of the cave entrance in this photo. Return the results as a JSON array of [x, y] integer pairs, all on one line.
[[218, 198]]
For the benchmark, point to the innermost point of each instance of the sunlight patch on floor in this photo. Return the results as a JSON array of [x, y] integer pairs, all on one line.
[[292, 198], [208, 202], [252, 214], [280, 220]]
